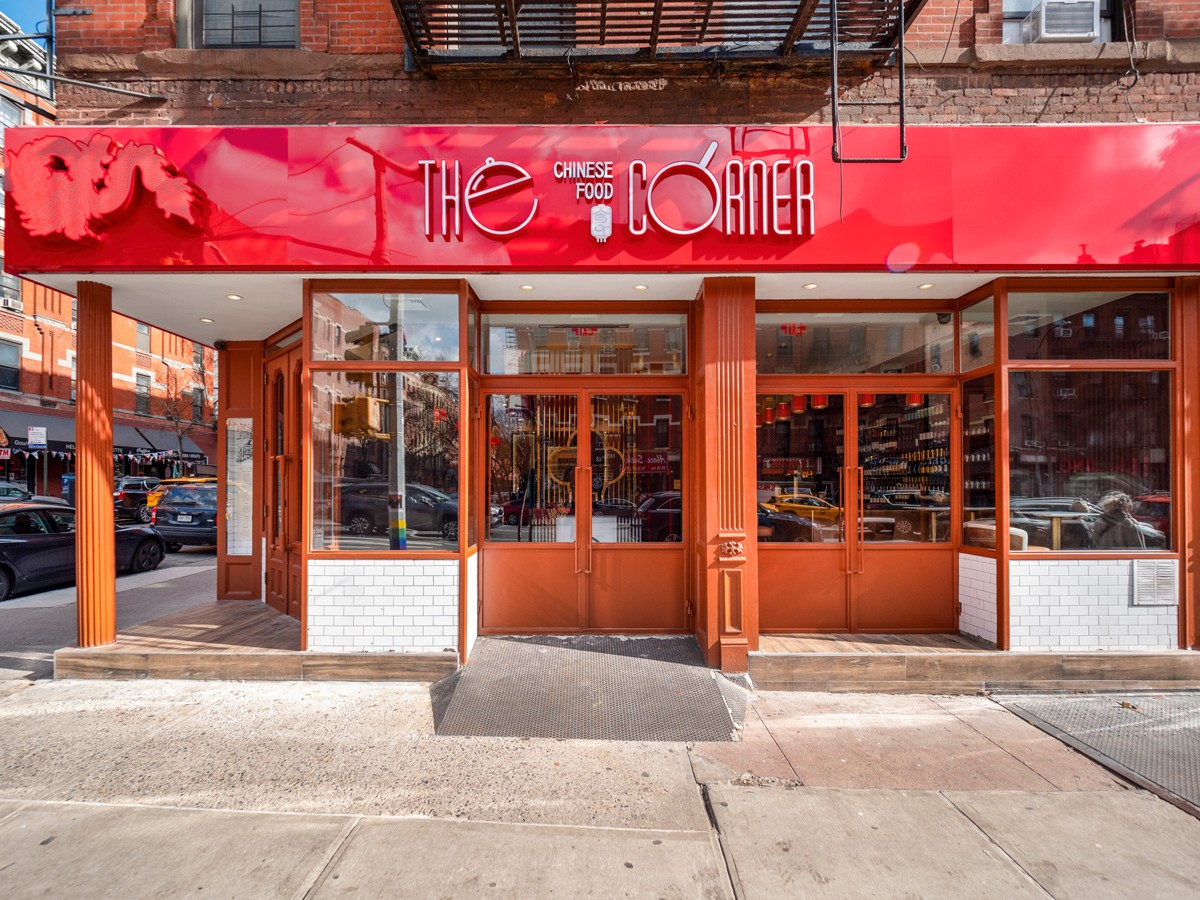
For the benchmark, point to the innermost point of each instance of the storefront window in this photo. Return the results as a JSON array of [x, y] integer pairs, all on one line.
[[881, 343], [801, 450], [586, 344], [979, 462], [1091, 325], [385, 327], [385, 460], [1090, 460], [977, 335]]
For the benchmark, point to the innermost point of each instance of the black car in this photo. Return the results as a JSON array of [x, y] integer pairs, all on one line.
[[187, 514], [14, 493], [37, 547], [365, 509], [129, 497], [661, 517], [785, 528]]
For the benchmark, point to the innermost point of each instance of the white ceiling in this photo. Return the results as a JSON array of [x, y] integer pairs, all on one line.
[[177, 301]]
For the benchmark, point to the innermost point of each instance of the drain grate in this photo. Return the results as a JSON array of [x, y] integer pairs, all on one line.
[[590, 687], [1154, 740]]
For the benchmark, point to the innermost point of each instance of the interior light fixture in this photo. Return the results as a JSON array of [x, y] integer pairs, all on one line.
[[233, 296], [811, 286], [527, 287], [206, 320], [926, 286], [640, 287]]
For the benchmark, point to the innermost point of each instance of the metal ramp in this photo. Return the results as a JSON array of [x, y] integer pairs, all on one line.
[[589, 687]]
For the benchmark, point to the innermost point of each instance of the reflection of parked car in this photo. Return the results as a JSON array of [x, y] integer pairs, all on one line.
[[156, 493], [1072, 518], [129, 497], [808, 506], [661, 515], [365, 509], [37, 547], [1154, 510], [516, 512], [14, 493], [783, 527], [614, 507], [187, 514]]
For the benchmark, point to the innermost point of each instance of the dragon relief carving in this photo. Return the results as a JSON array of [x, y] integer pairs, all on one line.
[[66, 187]]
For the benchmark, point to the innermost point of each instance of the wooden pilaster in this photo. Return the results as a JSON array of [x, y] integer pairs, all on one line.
[[728, 590], [95, 559]]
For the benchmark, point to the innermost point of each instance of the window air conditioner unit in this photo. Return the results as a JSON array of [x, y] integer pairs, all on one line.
[[12, 303], [1062, 20]]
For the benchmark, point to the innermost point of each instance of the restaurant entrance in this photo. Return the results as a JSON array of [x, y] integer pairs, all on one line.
[[583, 423], [855, 517]]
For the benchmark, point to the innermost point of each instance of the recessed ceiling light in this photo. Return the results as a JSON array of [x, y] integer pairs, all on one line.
[[233, 296], [206, 320], [811, 286], [527, 287], [639, 287], [925, 287]]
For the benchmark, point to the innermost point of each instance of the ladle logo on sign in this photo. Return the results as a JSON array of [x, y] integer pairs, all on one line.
[[741, 199]]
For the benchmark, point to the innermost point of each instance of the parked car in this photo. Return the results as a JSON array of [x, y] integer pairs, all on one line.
[[37, 547], [187, 515], [516, 512], [365, 509], [808, 506], [614, 506], [14, 493], [156, 493], [661, 515], [1154, 510], [129, 497], [783, 527]]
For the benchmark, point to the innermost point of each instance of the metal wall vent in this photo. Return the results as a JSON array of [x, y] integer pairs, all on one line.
[[1155, 582]]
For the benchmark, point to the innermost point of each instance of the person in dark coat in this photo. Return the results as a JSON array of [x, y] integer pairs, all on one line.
[[1117, 529]]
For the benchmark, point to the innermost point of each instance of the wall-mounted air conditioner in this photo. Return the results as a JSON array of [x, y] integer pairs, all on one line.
[[13, 303], [1062, 20]]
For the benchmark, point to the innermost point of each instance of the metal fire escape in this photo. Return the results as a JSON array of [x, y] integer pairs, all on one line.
[[869, 34]]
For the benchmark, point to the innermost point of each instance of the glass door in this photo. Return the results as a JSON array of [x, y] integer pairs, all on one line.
[[854, 511], [590, 524], [901, 551]]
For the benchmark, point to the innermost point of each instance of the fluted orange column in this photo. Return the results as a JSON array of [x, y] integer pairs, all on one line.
[[95, 562], [728, 588]]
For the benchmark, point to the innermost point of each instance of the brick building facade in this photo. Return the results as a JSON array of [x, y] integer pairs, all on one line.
[[164, 387], [1048, 199]]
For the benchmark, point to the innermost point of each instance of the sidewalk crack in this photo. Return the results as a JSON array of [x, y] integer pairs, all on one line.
[[323, 868]]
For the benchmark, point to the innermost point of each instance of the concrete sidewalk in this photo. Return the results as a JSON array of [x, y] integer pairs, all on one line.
[[165, 788]]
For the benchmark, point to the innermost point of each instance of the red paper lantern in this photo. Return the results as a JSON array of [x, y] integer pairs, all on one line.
[[799, 404], [914, 399], [820, 401]]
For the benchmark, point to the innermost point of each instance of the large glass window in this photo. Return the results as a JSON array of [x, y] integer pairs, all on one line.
[[10, 365], [1090, 459], [385, 327], [977, 335], [801, 451], [142, 395], [586, 344], [247, 23], [854, 342], [1091, 325], [979, 462], [385, 460]]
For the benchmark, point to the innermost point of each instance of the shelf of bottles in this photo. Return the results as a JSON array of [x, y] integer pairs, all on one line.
[[904, 449], [979, 449]]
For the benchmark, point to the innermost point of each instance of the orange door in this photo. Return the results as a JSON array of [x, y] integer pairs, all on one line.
[[283, 528], [857, 539], [589, 485]]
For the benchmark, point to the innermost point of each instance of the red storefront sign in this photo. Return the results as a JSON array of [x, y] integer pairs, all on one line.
[[481, 198]]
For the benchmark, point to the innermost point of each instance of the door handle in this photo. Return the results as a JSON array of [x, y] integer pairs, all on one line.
[[584, 537], [862, 516]]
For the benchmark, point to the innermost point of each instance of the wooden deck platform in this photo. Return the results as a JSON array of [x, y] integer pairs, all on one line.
[[954, 664], [238, 640]]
